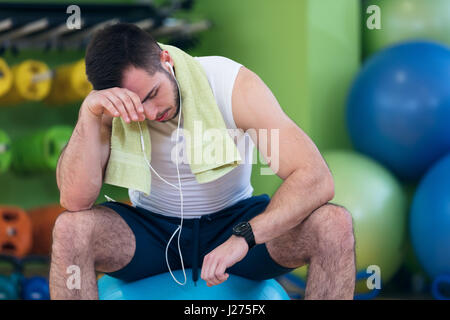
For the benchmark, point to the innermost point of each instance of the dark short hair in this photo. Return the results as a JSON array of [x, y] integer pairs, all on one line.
[[114, 48]]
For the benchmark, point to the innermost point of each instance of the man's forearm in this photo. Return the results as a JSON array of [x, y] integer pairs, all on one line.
[[79, 174], [298, 196]]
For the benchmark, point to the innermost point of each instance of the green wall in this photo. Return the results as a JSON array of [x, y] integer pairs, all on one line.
[[306, 51], [333, 60], [78, 1]]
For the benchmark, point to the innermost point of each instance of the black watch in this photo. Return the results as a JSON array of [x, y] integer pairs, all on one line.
[[244, 229]]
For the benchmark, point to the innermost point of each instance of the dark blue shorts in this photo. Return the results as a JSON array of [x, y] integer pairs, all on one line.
[[198, 237]]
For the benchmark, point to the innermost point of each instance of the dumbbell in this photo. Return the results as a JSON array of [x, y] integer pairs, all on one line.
[[9, 284], [5, 150], [5, 77], [70, 84], [30, 80], [39, 151], [34, 287], [17, 286]]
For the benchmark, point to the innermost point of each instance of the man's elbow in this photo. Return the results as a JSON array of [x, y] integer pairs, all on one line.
[[75, 206], [326, 185]]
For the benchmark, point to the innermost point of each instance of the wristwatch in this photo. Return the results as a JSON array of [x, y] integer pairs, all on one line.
[[244, 229]]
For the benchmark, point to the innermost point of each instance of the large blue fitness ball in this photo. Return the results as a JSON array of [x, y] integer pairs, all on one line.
[[163, 287], [399, 107], [430, 219]]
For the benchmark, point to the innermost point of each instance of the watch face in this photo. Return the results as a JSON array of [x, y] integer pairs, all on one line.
[[241, 227]]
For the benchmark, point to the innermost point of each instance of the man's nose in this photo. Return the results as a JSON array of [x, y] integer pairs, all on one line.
[[151, 112]]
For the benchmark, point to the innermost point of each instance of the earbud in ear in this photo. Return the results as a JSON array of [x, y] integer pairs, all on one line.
[[170, 67]]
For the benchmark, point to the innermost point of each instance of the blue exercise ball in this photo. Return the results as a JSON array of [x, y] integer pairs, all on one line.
[[430, 219], [399, 106], [163, 287]]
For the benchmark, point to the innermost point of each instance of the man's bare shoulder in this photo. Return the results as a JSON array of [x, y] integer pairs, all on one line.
[[249, 94]]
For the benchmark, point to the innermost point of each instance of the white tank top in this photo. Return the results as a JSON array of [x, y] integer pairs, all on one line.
[[205, 198]]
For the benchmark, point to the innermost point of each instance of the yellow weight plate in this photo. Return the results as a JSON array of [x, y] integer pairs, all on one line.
[[70, 84], [31, 81], [5, 77]]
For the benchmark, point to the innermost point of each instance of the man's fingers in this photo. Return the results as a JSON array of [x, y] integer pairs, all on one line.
[[217, 279], [129, 103], [137, 104], [110, 108], [217, 274], [220, 273], [208, 270], [211, 277], [118, 104], [205, 267]]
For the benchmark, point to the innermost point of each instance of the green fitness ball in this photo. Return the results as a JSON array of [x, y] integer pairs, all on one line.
[[40, 151], [403, 20], [378, 206], [5, 151]]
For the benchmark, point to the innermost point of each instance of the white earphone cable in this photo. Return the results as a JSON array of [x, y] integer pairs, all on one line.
[[180, 227]]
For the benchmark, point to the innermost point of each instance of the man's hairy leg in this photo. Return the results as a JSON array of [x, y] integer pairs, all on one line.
[[325, 241], [96, 239]]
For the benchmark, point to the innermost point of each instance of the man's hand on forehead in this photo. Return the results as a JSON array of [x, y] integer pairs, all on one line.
[[115, 102]]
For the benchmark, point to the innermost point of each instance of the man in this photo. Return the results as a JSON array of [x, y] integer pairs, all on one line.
[[133, 78]]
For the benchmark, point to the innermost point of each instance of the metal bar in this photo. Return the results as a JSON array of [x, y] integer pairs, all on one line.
[[82, 35], [6, 24], [145, 24], [25, 30]]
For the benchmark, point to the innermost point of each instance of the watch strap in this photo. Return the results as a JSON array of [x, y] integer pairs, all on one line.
[[248, 235]]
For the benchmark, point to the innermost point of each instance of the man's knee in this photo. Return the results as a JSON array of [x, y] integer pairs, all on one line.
[[334, 228], [72, 232]]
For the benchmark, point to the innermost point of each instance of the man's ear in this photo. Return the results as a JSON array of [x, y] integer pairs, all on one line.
[[165, 57]]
